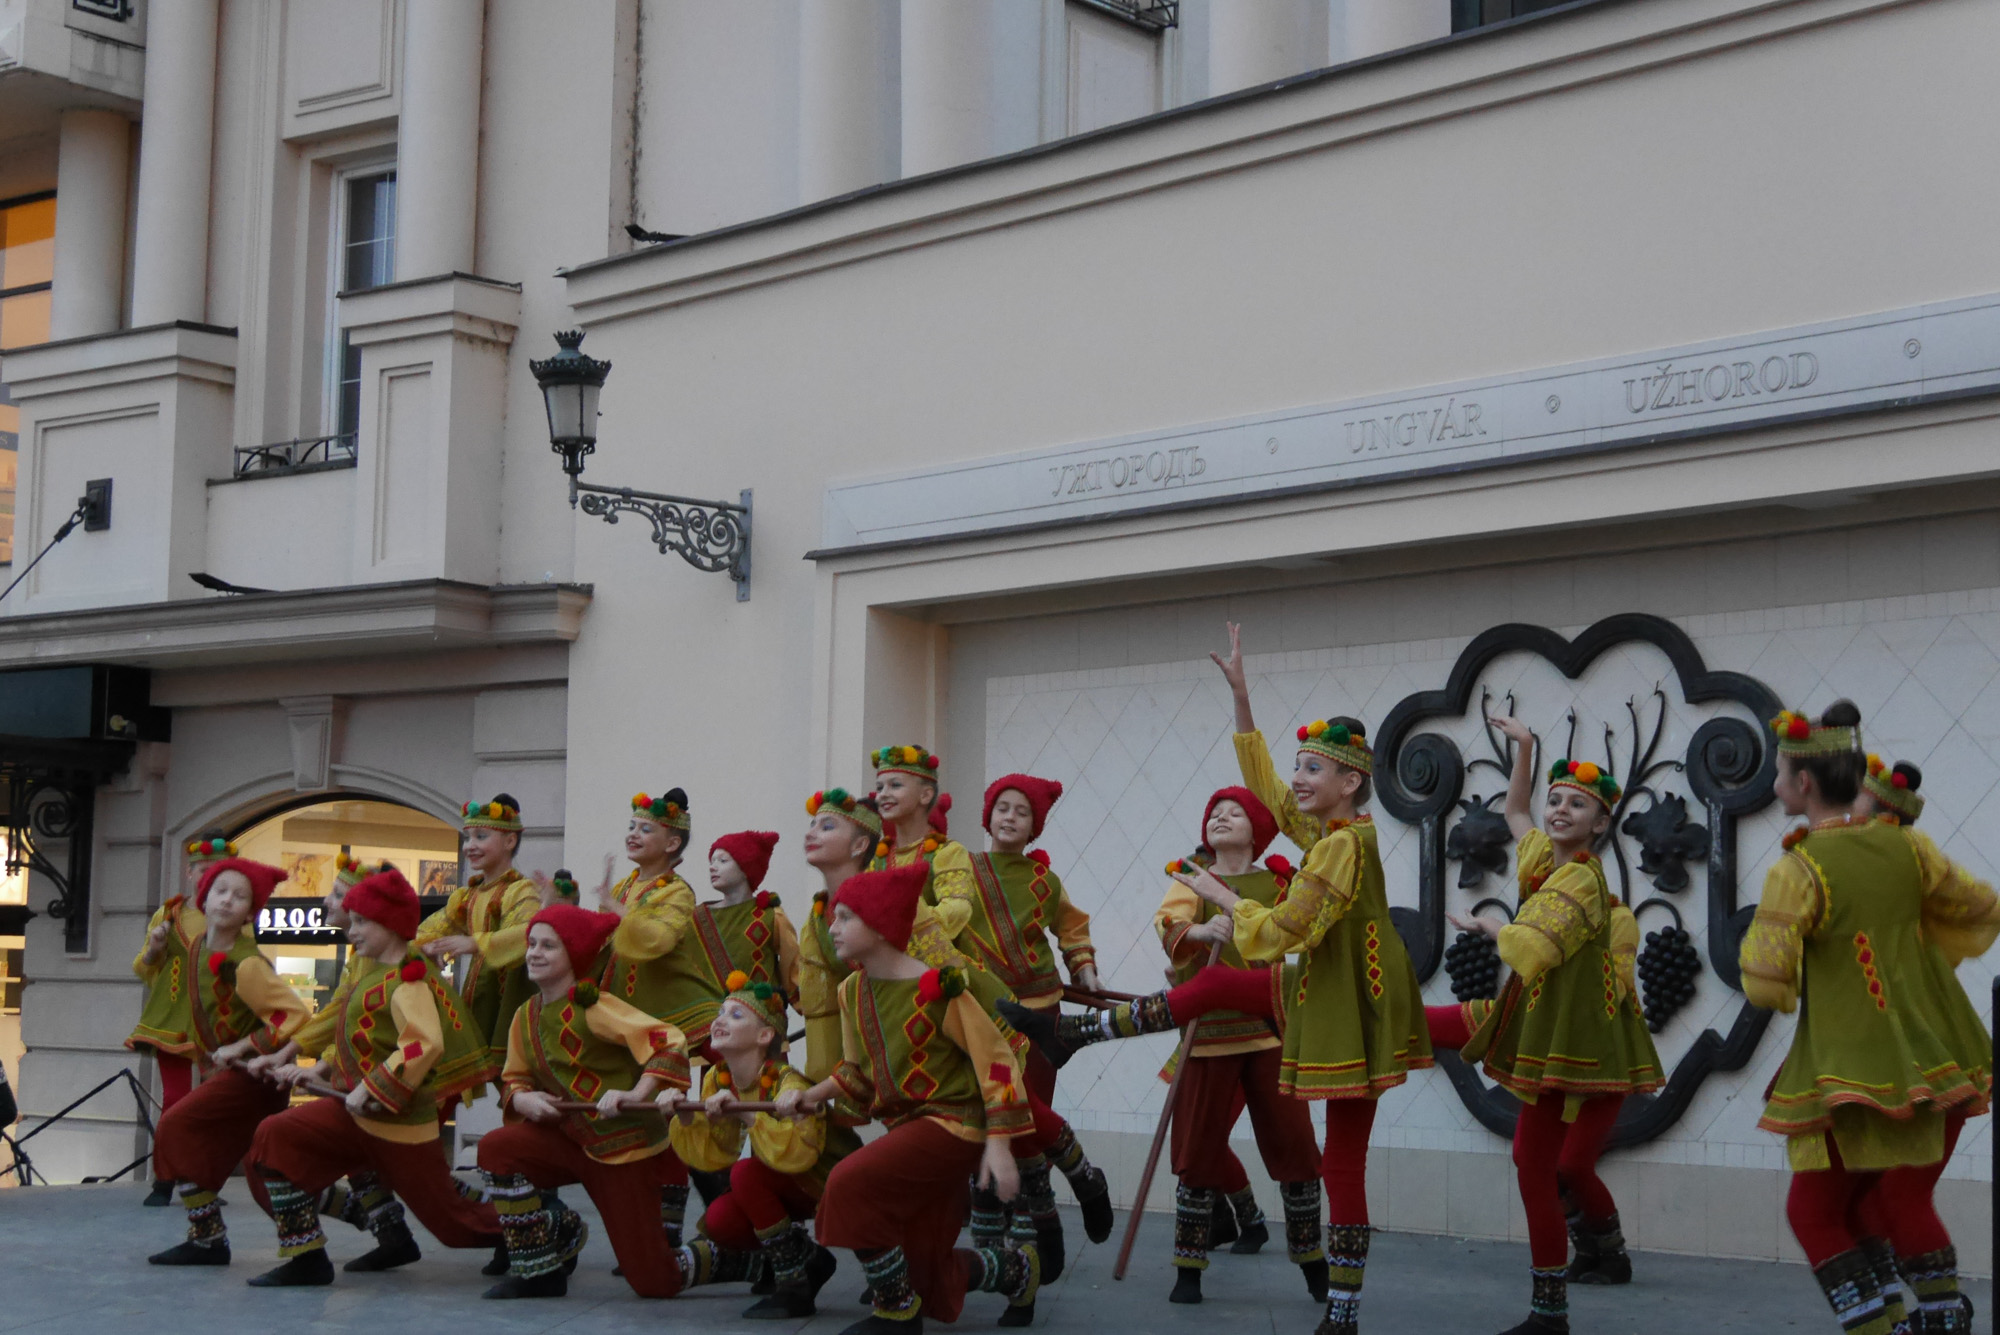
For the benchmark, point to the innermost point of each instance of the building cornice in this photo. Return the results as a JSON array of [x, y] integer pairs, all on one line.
[[412, 616], [1511, 63]]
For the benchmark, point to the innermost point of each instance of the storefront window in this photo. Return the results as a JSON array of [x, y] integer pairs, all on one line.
[[27, 265], [305, 841]]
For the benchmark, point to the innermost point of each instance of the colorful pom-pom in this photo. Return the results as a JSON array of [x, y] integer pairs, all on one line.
[[1798, 730], [1040, 858], [412, 970], [929, 989], [216, 960], [930, 762], [723, 1080], [812, 803], [1304, 733], [1899, 781], [1794, 837], [736, 981], [882, 849], [819, 905], [1339, 734], [584, 994], [1588, 772]]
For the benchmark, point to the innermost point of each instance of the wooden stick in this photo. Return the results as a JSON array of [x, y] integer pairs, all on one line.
[[579, 1106], [1099, 1000], [1159, 1139]]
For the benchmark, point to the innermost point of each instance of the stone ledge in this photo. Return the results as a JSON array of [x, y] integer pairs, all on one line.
[[406, 616]]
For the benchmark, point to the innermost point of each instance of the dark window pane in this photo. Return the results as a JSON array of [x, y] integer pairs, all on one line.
[[348, 420], [370, 241]]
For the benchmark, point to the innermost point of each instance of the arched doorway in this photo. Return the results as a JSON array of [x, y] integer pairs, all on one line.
[[306, 840]]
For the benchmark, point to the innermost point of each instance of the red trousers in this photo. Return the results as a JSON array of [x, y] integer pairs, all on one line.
[[204, 1135], [1832, 1209], [316, 1143], [627, 1195], [760, 1198], [1549, 1154], [1213, 1091], [176, 1078], [909, 1189], [1344, 1159]]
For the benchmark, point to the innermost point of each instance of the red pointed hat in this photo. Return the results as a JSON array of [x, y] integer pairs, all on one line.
[[886, 900], [583, 932], [263, 878], [1263, 825], [1041, 795], [386, 898], [752, 851]]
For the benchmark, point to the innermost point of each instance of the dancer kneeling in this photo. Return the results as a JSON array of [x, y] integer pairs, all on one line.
[[773, 1192], [392, 1057], [1566, 1036], [573, 1043], [920, 1054]]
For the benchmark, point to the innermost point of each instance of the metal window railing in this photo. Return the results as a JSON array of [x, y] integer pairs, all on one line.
[[295, 456]]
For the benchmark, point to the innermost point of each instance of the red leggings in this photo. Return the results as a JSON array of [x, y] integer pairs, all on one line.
[[759, 1199], [207, 1133], [1549, 1154], [1343, 1164], [1831, 1210]]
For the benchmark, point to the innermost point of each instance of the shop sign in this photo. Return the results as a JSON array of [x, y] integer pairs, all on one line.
[[1843, 366]]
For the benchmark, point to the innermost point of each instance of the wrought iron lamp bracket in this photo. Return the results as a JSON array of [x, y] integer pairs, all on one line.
[[709, 535]]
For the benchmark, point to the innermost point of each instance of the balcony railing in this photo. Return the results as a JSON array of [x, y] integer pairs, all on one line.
[[295, 456]]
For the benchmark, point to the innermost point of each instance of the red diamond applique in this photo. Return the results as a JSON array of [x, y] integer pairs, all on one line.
[[365, 1022], [919, 1084], [570, 1043], [412, 1051], [374, 996], [919, 1029], [586, 1085], [661, 1039], [756, 933]]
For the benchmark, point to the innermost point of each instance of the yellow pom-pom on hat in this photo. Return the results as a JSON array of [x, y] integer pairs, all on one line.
[[1587, 771]]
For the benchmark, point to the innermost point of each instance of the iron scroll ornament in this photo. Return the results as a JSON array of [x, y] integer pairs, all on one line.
[[1419, 777]]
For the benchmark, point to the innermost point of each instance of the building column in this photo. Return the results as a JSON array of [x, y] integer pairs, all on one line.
[[850, 96], [1375, 26], [176, 139], [1255, 41], [971, 80], [93, 165], [437, 139]]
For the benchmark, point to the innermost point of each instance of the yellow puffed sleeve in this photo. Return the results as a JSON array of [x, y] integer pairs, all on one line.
[[1260, 776], [655, 921], [518, 1075], [853, 1073], [782, 1144], [1773, 947], [282, 1010], [419, 1043], [1319, 896], [1072, 930], [658, 1047], [1555, 922], [1961, 913], [706, 1144], [1180, 912], [952, 886], [507, 945], [1002, 1088], [447, 921]]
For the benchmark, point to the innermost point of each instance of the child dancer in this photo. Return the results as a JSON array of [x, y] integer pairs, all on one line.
[[842, 831], [1869, 1083], [776, 1188], [572, 1042], [236, 994], [747, 932], [388, 1055], [1234, 1062], [1566, 1036], [485, 921], [923, 1057], [906, 794], [165, 964], [1350, 1012]]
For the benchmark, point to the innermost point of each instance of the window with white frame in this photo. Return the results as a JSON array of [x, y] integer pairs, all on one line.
[[364, 256]]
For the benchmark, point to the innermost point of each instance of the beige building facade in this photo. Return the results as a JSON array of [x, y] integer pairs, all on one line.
[[1633, 361]]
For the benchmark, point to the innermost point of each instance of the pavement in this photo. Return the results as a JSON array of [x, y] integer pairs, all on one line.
[[74, 1260]]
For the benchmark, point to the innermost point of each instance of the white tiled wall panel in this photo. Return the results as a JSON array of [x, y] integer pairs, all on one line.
[[1140, 745]]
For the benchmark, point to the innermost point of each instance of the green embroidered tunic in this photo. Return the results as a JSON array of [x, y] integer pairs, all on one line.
[[166, 1022], [1569, 1020], [904, 1057], [1219, 1033], [1016, 905], [1839, 935], [1352, 1012]]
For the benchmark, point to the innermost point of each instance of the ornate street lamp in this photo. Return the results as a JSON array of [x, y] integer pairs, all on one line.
[[708, 535]]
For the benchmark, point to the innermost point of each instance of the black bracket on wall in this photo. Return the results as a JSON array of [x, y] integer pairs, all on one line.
[[1419, 777]]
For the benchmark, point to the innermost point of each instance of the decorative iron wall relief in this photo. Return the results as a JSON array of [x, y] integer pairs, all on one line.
[[1727, 769]]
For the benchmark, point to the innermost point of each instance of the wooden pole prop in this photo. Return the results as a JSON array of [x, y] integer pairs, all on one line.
[[1099, 1000], [578, 1106], [1159, 1140]]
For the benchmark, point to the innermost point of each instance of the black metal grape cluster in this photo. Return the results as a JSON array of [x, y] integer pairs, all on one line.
[[1473, 963], [1668, 967]]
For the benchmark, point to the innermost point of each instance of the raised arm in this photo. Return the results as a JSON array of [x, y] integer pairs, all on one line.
[[1520, 783], [1232, 672]]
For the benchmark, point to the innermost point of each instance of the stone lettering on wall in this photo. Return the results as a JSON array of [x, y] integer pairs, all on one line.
[[1843, 366]]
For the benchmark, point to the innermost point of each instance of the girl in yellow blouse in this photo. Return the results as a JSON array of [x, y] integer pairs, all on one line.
[[775, 1189], [1566, 1036]]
